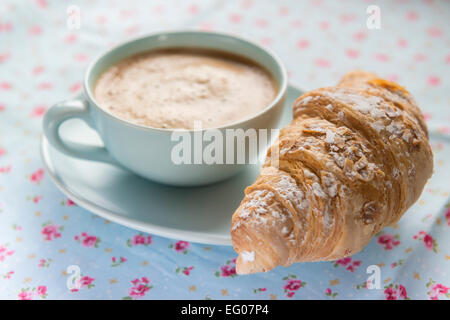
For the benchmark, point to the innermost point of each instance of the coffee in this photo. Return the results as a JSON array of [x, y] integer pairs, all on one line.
[[173, 88]]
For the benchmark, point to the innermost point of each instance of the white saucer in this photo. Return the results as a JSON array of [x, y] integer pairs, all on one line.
[[200, 214]]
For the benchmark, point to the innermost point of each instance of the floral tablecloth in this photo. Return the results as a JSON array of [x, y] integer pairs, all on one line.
[[42, 233]]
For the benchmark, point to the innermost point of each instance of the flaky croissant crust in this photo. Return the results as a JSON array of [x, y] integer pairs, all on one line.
[[353, 160]]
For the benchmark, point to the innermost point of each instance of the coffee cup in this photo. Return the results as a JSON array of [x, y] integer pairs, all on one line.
[[147, 151]]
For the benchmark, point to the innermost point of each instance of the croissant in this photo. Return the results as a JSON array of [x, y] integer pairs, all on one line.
[[354, 158]]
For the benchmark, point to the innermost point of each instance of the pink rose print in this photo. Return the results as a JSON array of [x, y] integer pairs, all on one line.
[[296, 23], [139, 239], [139, 289], [186, 270], [26, 295], [420, 57], [31, 293], [381, 57], [117, 261], [5, 85], [90, 241], [363, 285], [444, 129], [303, 44], [87, 282], [235, 18], [2, 151], [193, 9], [37, 176], [259, 290], [38, 70], [132, 30], [347, 17], [392, 77], [434, 32], [292, 285], [44, 263], [352, 53], [75, 87], [68, 203], [437, 290], [428, 240], [343, 261], [71, 38], [35, 199], [434, 81], [388, 241], [51, 231], [4, 56], [6, 27], [402, 292], [181, 246], [447, 215], [41, 291], [5, 169], [87, 240], [390, 294], [284, 11], [35, 30], [330, 293], [395, 292], [352, 267], [412, 16], [206, 26], [359, 36], [227, 270], [323, 63], [402, 43], [397, 263], [347, 263], [4, 252], [84, 282], [266, 41], [324, 25], [38, 111], [8, 275], [81, 57]]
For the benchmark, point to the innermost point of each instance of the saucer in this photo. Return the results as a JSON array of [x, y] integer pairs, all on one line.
[[197, 214]]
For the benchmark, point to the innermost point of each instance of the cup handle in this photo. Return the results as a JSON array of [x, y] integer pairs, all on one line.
[[65, 110]]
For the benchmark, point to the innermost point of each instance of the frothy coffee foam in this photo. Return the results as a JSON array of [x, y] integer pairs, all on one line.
[[173, 88]]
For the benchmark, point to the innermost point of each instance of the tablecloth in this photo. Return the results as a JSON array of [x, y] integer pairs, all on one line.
[[43, 56]]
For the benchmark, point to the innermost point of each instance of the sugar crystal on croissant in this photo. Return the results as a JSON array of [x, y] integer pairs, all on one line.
[[354, 158]]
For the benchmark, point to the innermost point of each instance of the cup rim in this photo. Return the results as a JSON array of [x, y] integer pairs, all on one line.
[[280, 95]]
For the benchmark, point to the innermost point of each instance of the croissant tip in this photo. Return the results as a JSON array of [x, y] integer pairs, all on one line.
[[245, 262], [248, 263]]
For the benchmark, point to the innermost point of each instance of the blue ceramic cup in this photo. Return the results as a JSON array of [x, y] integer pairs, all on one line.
[[147, 151]]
